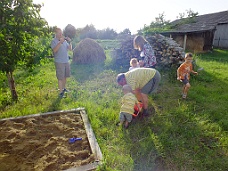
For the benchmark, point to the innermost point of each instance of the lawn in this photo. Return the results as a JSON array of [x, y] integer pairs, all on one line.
[[181, 135]]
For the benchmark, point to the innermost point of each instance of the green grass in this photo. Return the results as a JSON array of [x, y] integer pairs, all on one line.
[[109, 44], [182, 135]]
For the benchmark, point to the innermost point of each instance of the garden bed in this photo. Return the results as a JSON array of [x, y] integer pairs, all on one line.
[[41, 142]]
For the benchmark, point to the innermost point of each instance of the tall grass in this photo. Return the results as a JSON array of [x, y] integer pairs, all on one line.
[[181, 135]]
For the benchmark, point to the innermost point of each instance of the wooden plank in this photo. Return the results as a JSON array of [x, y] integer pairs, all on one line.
[[91, 136], [185, 42], [91, 166], [44, 114]]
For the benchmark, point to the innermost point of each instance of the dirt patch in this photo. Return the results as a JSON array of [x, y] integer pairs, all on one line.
[[42, 143]]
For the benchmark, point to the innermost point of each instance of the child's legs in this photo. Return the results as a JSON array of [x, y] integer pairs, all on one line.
[[128, 119], [186, 88], [121, 117]]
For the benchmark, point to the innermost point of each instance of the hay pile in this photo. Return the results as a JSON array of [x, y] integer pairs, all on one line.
[[88, 51]]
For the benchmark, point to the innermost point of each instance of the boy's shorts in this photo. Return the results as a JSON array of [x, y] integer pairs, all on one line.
[[185, 80], [124, 115], [152, 85], [62, 70]]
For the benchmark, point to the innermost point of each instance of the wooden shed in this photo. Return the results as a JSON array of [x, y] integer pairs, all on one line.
[[221, 36], [202, 32]]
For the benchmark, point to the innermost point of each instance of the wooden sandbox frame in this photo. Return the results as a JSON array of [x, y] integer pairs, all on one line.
[[94, 146]]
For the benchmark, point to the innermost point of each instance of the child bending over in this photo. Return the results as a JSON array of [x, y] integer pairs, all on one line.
[[127, 109], [183, 74]]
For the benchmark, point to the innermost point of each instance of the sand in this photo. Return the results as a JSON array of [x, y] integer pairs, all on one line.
[[42, 143]]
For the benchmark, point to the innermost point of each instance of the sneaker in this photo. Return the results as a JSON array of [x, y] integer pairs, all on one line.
[[118, 124], [184, 96], [61, 95], [65, 90]]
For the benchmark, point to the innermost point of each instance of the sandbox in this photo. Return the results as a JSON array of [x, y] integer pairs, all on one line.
[[41, 142]]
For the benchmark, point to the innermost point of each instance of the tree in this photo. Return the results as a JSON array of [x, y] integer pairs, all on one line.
[[159, 25], [189, 14], [106, 34], [21, 26], [125, 33], [69, 31], [190, 17], [89, 31]]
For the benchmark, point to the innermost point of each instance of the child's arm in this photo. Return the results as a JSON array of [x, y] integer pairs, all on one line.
[[196, 73], [178, 74], [192, 71], [139, 107]]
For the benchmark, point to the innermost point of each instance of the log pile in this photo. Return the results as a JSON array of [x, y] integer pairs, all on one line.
[[167, 51], [124, 54]]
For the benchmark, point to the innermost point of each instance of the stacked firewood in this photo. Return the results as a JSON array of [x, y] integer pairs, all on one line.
[[128, 50], [167, 51], [124, 54]]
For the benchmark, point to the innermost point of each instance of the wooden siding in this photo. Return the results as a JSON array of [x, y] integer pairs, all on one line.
[[195, 42], [221, 36]]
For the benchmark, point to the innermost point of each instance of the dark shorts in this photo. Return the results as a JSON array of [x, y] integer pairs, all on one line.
[[152, 85], [62, 70], [125, 116], [185, 80]]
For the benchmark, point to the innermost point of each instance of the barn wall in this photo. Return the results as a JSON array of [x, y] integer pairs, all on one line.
[[179, 39], [195, 42], [221, 36], [208, 40]]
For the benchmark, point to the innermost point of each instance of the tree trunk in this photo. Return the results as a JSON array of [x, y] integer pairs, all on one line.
[[12, 85]]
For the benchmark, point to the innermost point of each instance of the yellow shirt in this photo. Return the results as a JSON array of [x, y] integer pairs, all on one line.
[[128, 102], [139, 77]]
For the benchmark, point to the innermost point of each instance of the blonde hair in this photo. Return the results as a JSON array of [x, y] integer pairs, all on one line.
[[139, 42], [58, 29], [188, 55], [127, 88], [133, 60]]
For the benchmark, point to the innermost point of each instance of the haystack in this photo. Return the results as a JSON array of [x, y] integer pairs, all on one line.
[[88, 51]]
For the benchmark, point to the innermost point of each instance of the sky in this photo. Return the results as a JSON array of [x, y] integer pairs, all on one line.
[[121, 14]]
